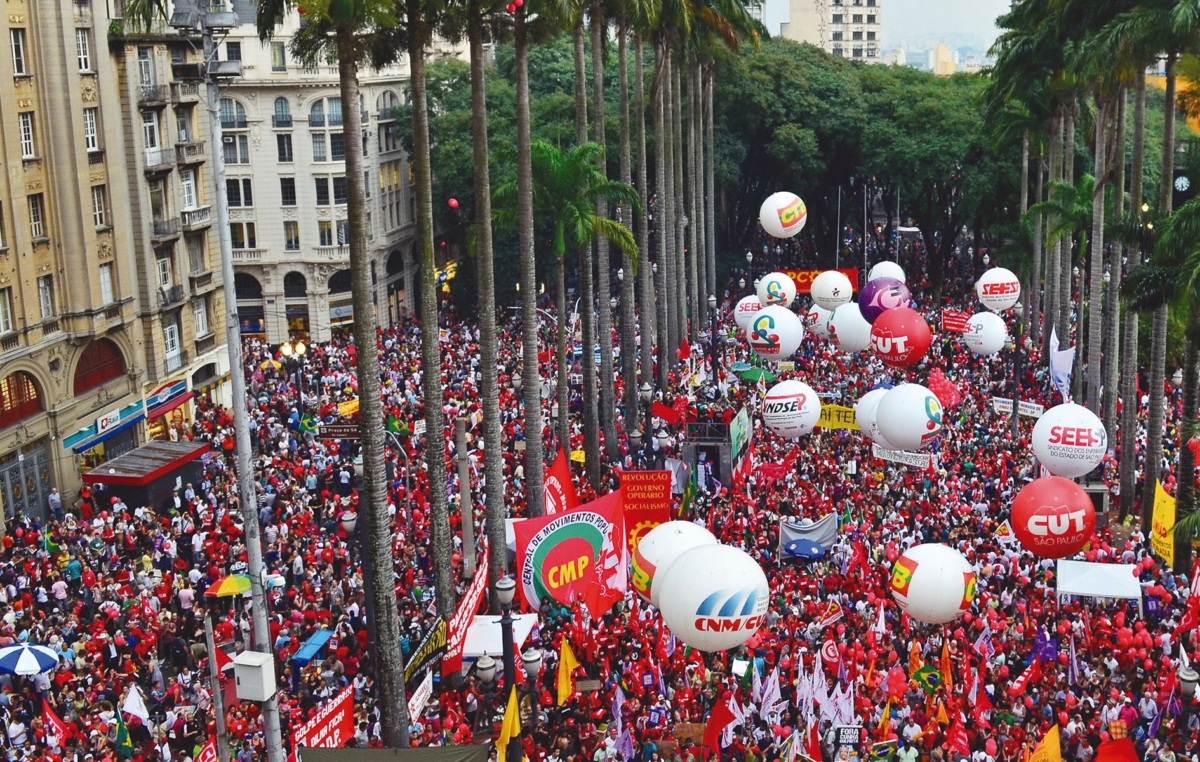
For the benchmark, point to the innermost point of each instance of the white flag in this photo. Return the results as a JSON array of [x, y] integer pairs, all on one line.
[[135, 705], [1060, 366]]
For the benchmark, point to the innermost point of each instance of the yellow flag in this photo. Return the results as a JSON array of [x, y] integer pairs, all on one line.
[[1161, 539], [947, 671], [1050, 749], [510, 728], [567, 664], [942, 717], [885, 721], [914, 660]]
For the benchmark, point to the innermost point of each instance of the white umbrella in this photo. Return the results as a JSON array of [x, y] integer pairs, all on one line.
[[25, 659]]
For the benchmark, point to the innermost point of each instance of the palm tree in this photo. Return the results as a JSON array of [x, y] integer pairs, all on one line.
[[650, 306], [351, 32], [608, 418], [1129, 341]]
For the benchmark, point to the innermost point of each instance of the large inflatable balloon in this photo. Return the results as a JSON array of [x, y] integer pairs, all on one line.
[[1053, 517], [880, 295], [901, 337], [847, 329], [986, 333], [745, 310], [909, 416], [887, 269], [865, 411], [776, 288], [1069, 440], [783, 214], [713, 597], [775, 333], [933, 583], [831, 289], [998, 289], [791, 409], [659, 548], [817, 320]]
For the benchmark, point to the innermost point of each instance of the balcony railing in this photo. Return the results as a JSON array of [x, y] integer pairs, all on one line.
[[316, 120], [248, 255], [194, 219], [281, 121], [333, 252], [170, 296], [95, 157], [190, 152], [172, 363], [335, 120], [184, 91], [386, 114], [152, 94], [50, 326], [232, 123], [10, 342], [165, 228], [201, 279], [159, 159]]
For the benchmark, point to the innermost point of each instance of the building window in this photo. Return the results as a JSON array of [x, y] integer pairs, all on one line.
[[837, 36], [106, 283], [870, 18], [837, 18], [870, 3], [171, 342], [278, 57], [870, 35], [243, 236], [318, 143], [236, 149], [343, 233], [337, 146], [339, 190], [389, 137], [83, 49], [856, 18], [334, 108], [233, 114], [283, 113], [295, 286], [100, 362], [325, 232], [17, 38], [145, 56], [91, 139], [284, 144], [837, 51], [871, 52], [195, 247], [183, 124], [99, 218], [187, 182], [165, 267], [322, 191], [19, 398], [367, 183], [200, 317], [233, 51], [45, 286], [291, 235], [240, 191], [858, 52], [3, 245], [287, 191], [858, 35], [25, 127], [6, 320], [37, 220]]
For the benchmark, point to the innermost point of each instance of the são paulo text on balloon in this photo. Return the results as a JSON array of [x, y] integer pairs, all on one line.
[[1053, 517], [985, 334], [887, 269], [775, 333], [998, 289], [791, 409], [880, 295], [745, 310], [909, 416], [901, 337], [933, 583], [776, 288], [659, 548], [831, 289], [713, 597], [782, 215], [1069, 440], [847, 329]]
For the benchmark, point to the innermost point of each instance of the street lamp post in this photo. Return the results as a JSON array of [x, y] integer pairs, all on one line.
[[646, 393], [712, 339], [506, 589], [295, 351], [1188, 679], [485, 670]]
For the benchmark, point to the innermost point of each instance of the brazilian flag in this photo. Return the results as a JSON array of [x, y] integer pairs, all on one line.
[[929, 679], [50, 546], [689, 494], [394, 425], [884, 751], [308, 424], [123, 743]]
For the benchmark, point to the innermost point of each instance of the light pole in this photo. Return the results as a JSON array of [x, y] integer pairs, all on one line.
[[466, 506], [506, 589], [220, 22], [1188, 679], [485, 670], [712, 339], [295, 350], [646, 393], [531, 662]]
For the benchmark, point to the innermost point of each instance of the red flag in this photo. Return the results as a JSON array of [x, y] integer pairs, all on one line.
[[1032, 674], [1191, 618], [1117, 750], [812, 746], [209, 752], [954, 321], [665, 412], [559, 490], [683, 353], [54, 726], [722, 717], [956, 738], [224, 660]]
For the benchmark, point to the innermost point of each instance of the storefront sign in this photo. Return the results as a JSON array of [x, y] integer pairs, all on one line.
[[105, 427], [108, 420]]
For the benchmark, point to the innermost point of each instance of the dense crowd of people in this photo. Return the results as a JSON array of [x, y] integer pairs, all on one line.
[[117, 590]]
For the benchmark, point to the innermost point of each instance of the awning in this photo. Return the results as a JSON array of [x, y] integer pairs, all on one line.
[[1098, 580], [145, 464], [125, 425], [311, 647], [485, 636], [212, 384], [161, 410]]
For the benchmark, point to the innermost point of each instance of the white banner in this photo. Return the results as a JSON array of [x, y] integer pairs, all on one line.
[[416, 703], [1025, 408], [915, 459]]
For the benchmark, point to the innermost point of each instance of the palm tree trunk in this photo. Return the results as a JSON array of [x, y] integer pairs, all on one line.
[[710, 188], [1129, 342], [1066, 279], [377, 537], [608, 418], [683, 264], [667, 291], [562, 389], [1053, 257], [1185, 493], [1096, 269], [431, 351], [699, 217], [1024, 172], [1036, 287], [532, 386], [1112, 325], [647, 304], [628, 261], [587, 297], [493, 456], [695, 263]]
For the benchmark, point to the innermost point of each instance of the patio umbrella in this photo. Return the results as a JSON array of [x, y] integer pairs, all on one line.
[[270, 364], [25, 659], [754, 375], [234, 584]]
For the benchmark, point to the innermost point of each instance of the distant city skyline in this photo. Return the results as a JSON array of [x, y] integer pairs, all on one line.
[[903, 19]]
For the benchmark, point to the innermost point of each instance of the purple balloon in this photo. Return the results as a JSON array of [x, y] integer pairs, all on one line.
[[880, 295]]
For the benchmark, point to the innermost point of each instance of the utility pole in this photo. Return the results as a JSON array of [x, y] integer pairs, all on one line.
[[220, 21], [465, 506], [218, 701]]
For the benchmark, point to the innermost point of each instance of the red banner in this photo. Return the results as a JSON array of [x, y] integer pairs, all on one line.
[[456, 630], [557, 555], [804, 278], [559, 490], [332, 726], [647, 499]]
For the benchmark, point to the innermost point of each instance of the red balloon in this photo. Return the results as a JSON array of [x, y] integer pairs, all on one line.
[[1053, 517], [453, 203], [901, 337]]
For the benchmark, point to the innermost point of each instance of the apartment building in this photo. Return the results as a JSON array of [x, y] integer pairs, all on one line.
[[844, 28]]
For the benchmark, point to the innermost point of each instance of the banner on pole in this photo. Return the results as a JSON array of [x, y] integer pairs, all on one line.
[[1161, 539], [838, 417], [914, 459], [1025, 408], [456, 629], [332, 726], [647, 499]]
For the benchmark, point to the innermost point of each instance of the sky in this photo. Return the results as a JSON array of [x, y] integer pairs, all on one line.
[[905, 18]]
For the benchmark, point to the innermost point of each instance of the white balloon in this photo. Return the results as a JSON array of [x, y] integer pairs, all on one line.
[[745, 311], [933, 583], [776, 288], [775, 333], [887, 269], [831, 289], [848, 329], [909, 416], [783, 214], [998, 289], [1069, 440], [713, 597], [865, 414], [791, 409], [817, 320], [986, 333], [659, 548]]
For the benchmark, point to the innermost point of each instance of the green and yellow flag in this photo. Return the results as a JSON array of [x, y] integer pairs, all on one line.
[[929, 679], [123, 743], [689, 494]]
